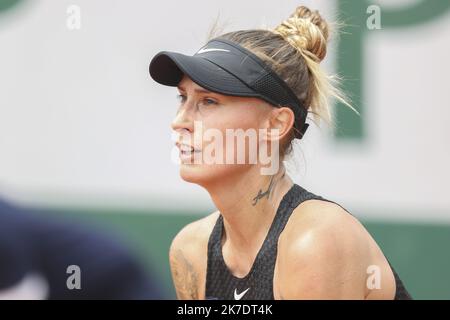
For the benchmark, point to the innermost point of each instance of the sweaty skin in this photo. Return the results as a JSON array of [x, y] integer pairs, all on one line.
[[323, 253]]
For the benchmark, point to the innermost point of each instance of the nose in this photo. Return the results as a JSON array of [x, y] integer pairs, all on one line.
[[184, 120]]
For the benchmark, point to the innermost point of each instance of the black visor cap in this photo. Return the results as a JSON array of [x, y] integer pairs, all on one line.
[[225, 67]]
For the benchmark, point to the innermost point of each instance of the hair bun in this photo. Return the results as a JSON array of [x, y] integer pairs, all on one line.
[[306, 31]]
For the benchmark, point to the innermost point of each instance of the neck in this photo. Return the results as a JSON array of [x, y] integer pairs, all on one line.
[[248, 203]]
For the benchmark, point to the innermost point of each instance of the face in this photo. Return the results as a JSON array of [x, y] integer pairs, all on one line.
[[203, 121]]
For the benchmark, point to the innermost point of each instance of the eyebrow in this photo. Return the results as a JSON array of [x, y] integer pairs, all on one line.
[[196, 90]]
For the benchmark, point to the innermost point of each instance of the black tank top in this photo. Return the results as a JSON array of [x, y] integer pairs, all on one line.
[[258, 283]]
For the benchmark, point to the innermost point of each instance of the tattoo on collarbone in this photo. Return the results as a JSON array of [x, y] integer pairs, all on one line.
[[186, 278]]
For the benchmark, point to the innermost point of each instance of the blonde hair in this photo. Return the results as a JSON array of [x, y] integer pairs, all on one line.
[[294, 50]]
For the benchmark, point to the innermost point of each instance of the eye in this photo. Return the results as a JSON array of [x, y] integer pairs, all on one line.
[[181, 98], [209, 101]]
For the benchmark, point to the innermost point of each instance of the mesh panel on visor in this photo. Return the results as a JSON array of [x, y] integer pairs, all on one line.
[[273, 90]]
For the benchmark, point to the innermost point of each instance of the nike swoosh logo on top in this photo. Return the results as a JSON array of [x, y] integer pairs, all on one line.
[[203, 50], [240, 295]]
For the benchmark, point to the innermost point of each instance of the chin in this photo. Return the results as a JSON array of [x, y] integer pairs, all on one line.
[[203, 175], [194, 173]]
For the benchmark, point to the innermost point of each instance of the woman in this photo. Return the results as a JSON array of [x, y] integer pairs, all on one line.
[[270, 238]]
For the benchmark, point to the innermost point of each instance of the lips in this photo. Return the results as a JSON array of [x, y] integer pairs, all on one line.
[[186, 149]]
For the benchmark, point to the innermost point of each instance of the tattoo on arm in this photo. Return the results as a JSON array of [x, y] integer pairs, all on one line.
[[184, 276], [267, 192]]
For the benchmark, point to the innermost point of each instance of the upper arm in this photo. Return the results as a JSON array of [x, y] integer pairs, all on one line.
[[185, 275], [322, 258], [188, 258]]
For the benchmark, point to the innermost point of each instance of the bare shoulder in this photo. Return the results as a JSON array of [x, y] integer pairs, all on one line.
[[188, 257], [329, 251], [326, 221], [195, 233]]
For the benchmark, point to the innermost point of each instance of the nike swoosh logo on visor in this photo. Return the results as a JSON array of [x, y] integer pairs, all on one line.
[[203, 50]]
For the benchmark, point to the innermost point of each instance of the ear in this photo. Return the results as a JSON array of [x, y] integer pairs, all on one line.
[[279, 122]]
